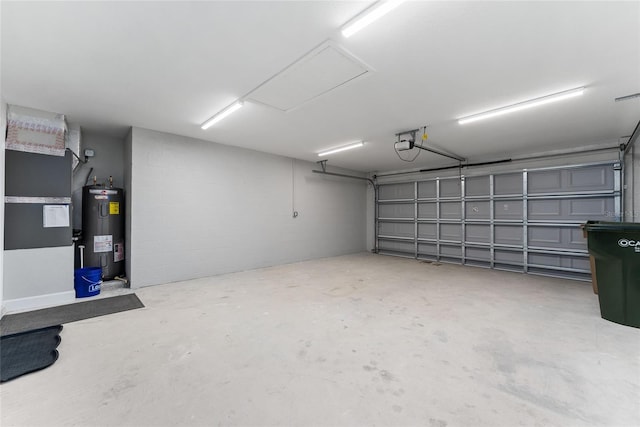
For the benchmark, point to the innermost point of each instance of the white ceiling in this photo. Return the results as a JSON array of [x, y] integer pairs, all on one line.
[[169, 66]]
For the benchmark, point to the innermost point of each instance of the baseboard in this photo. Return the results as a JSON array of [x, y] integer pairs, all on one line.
[[40, 301]]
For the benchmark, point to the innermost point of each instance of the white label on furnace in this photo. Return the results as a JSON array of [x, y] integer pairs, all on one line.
[[55, 216], [103, 243]]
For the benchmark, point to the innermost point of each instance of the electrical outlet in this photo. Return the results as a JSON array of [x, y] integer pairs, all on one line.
[[89, 152]]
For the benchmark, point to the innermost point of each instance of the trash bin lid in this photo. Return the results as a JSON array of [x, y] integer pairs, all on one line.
[[612, 226]]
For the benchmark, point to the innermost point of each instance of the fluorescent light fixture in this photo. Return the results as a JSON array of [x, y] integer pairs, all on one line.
[[370, 15], [222, 114], [339, 149], [627, 97], [523, 105]]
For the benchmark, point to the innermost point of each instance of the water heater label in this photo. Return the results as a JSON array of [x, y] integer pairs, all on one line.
[[103, 192], [103, 243], [118, 252], [114, 208]]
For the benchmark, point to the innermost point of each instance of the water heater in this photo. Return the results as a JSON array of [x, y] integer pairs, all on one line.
[[103, 229]]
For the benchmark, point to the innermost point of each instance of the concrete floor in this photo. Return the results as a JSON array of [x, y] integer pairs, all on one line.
[[354, 340]]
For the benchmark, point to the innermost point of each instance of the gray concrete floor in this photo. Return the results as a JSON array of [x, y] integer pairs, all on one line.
[[354, 340]]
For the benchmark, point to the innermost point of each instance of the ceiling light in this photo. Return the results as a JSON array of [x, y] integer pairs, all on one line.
[[222, 114], [339, 149], [370, 15], [627, 97], [523, 105]]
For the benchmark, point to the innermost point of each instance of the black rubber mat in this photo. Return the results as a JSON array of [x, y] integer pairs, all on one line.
[[21, 322], [29, 351]]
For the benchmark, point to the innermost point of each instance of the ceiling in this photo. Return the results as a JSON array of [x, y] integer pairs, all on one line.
[[169, 66]]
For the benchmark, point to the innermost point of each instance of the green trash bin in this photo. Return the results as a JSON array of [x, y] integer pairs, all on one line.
[[616, 249]]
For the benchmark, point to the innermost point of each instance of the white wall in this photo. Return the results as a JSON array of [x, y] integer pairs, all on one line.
[[127, 198], [199, 209], [38, 278]]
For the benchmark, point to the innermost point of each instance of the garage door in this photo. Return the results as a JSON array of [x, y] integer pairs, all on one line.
[[526, 221]]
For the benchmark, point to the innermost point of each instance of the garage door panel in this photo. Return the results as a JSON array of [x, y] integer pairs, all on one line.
[[574, 275], [508, 235], [591, 209], [590, 178], [450, 188], [510, 183], [559, 261], [571, 180], [395, 246], [478, 254], [573, 209], [478, 233], [427, 210], [477, 186], [396, 211], [576, 238], [427, 189], [450, 210], [505, 256], [475, 209], [427, 231], [427, 249], [556, 237], [508, 209], [396, 191], [451, 251], [451, 232], [498, 223], [544, 181], [396, 229]]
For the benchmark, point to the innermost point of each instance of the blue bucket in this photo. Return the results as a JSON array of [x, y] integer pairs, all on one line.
[[87, 281]]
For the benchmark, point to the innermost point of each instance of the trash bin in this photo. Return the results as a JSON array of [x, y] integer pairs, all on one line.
[[592, 262], [616, 249]]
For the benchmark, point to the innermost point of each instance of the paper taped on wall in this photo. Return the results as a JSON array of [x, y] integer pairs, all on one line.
[[55, 216]]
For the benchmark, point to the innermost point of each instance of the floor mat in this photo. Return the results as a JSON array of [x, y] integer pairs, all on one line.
[[28, 351], [21, 322]]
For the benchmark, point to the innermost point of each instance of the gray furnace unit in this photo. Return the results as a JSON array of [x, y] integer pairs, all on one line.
[[103, 229]]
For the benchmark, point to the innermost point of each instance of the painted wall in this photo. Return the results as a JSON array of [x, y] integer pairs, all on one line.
[[38, 277], [199, 209], [108, 161], [127, 146]]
